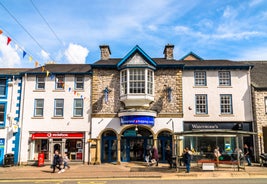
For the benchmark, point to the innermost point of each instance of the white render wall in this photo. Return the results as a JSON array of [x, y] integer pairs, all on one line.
[[48, 122], [240, 90], [100, 124]]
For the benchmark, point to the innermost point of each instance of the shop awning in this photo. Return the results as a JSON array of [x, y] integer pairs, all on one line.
[[212, 132]]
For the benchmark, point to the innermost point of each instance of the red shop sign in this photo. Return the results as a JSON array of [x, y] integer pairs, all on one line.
[[57, 135]]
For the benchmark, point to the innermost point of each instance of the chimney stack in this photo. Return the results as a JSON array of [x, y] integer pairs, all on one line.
[[168, 51], [105, 52]]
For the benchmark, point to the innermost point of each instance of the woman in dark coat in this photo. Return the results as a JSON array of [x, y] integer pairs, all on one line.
[[155, 155], [187, 159]]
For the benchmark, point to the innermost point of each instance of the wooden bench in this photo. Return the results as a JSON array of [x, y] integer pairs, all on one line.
[[206, 163]]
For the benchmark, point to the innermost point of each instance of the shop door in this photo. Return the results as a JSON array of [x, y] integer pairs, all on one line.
[[58, 146], [134, 148], [162, 143], [109, 149]]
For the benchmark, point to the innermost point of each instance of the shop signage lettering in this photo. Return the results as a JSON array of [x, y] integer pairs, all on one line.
[[137, 120], [205, 126], [57, 135]]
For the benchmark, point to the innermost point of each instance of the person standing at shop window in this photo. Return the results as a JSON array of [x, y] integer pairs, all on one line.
[[217, 154], [168, 154], [247, 154]]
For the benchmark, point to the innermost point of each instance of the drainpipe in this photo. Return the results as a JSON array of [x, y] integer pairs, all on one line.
[[22, 114]]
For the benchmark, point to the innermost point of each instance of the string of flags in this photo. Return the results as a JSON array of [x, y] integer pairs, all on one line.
[[43, 69], [17, 47]]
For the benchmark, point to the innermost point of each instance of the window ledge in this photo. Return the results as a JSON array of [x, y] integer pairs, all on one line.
[[79, 90], [200, 86], [39, 90], [59, 90], [201, 115], [37, 117], [226, 115], [77, 117], [55, 117], [225, 87]]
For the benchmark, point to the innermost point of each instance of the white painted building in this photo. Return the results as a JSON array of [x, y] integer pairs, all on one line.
[[55, 112], [10, 98], [216, 98]]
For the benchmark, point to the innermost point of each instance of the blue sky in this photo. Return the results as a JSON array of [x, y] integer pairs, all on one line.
[[70, 31]]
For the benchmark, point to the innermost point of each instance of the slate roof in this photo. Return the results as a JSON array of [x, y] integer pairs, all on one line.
[[185, 64], [258, 74], [12, 71], [62, 69]]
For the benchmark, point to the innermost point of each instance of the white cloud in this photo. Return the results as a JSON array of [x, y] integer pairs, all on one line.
[[255, 2], [9, 57], [229, 12], [45, 55], [256, 53], [76, 54]]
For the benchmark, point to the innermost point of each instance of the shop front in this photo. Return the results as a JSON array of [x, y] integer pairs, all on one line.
[[202, 138], [130, 143], [72, 143]]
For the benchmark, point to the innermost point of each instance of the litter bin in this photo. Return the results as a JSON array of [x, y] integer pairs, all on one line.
[[40, 159], [9, 159]]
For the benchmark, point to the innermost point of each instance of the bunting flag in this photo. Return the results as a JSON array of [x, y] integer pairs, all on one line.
[[30, 58], [1, 31], [36, 63], [24, 54], [8, 40], [43, 68], [47, 73], [69, 89], [52, 77]]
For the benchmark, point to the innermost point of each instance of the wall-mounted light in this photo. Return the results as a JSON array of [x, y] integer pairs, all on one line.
[[106, 92], [136, 128]]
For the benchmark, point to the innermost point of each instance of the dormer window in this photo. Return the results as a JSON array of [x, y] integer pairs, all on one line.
[[137, 85]]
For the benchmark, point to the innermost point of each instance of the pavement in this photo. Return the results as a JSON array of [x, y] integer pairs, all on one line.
[[128, 170]]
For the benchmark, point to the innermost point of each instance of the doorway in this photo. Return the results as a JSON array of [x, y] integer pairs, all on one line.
[[109, 147], [134, 142]]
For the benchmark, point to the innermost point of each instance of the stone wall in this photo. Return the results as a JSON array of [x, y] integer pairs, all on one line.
[[110, 78], [260, 118]]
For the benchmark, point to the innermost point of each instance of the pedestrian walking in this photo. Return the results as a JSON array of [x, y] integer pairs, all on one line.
[[66, 161], [217, 154], [247, 154], [155, 155], [168, 155], [56, 162], [187, 159]]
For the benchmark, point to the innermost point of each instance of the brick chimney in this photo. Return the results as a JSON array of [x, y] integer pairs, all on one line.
[[105, 52], [168, 51]]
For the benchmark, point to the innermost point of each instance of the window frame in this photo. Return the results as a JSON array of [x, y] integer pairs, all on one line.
[[229, 108], [75, 108], [37, 108], [200, 80], [38, 82], [224, 80], [199, 107], [265, 101], [137, 81], [79, 82], [58, 108], [3, 114], [4, 86], [59, 85]]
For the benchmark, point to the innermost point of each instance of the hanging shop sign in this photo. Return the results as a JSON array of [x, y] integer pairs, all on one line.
[[137, 120], [56, 135]]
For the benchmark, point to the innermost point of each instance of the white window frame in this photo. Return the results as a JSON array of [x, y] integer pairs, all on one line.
[[200, 78], [226, 105], [137, 81], [57, 108], [79, 84], [40, 82], [224, 78], [60, 81], [201, 104], [76, 108], [37, 108], [2, 114]]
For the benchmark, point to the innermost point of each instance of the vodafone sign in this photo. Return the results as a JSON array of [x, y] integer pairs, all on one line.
[[56, 135]]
